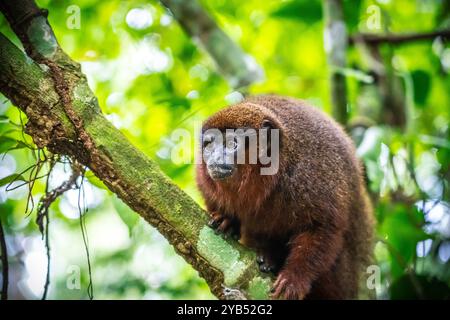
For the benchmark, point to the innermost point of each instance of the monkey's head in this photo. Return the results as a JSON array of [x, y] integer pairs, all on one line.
[[238, 139]]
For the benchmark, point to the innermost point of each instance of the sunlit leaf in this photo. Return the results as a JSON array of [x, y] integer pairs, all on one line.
[[92, 178], [352, 10], [308, 11], [413, 286], [125, 213], [7, 143], [175, 102], [402, 229], [13, 177], [422, 84]]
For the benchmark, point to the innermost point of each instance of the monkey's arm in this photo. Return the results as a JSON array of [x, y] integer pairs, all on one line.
[[222, 222], [311, 253]]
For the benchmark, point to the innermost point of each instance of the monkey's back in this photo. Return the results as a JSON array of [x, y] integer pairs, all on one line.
[[317, 156], [319, 184], [321, 174]]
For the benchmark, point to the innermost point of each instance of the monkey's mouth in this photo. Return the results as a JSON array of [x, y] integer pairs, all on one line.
[[220, 171]]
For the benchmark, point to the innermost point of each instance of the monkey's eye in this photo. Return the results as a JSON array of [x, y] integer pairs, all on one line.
[[231, 144], [207, 140]]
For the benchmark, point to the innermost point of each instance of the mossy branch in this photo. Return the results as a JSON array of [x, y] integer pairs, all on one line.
[[64, 116]]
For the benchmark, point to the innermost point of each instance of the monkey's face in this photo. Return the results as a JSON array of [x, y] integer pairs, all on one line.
[[226, 151], [219, 153]]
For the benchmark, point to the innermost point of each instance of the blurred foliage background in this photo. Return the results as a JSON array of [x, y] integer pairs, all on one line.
[[151, 78]]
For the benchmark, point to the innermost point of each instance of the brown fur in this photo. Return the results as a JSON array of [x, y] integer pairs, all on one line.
[[313, 217]]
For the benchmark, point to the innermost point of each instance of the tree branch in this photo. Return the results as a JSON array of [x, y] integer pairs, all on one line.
[[377, 39], [231, 60], [335, 42], [64, 116]]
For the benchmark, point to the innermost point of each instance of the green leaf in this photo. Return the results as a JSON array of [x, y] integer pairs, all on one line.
[[412, 287], [175, 102], [125, 213], [92, 178], [8, 144], [352, 10], [19, 145], [178, 170], [402, 229], [422, 84], [307, 11], [13, 177], [443, 156], [356, 74]]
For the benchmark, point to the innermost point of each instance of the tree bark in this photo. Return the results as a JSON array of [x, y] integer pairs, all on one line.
[[64, 117], [396, 39], [335, 41]]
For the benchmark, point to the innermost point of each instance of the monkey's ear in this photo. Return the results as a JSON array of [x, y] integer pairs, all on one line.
[[267, 124]]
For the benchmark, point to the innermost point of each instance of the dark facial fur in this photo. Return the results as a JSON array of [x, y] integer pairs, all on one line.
[[224, 149], [311, 222]]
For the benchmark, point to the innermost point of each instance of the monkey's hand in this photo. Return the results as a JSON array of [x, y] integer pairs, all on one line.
[[266, 263], [289, 286], [224, 225]]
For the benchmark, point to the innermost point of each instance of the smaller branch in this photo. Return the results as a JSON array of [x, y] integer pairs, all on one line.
[[4, 259], [375, 39], [42, 212], [335, 42], [82, 210], [50, 197], [232, 61], [20, 13]]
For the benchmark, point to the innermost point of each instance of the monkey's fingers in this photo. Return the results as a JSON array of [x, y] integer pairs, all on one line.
[[224, 226], [213, 223], [235, 235], [290, 288], [259, 259], [264, 264], [228, 229], [266, 268], [278, 288], [216, 220]]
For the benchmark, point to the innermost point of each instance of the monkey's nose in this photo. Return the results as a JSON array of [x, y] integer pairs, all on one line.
[[220, 171]]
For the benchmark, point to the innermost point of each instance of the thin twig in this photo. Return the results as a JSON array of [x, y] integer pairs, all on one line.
[[403, 263], [47, 242], [47, 251], [376, 39], [35, 170], [82, 211], [43, 214], [336, 34], [230, 59]]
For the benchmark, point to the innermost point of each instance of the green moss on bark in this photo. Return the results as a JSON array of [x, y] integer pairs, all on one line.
[[123, 169]]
